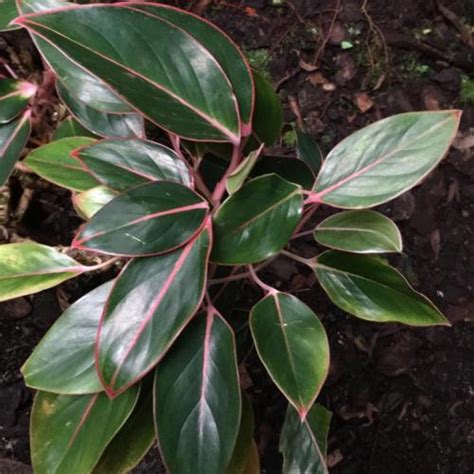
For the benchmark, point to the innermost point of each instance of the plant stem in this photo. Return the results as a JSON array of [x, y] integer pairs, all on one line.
[[306, 217], [101, 266], [266, 288], [242, 275], [220, 187], [302, 234], [310, 262]]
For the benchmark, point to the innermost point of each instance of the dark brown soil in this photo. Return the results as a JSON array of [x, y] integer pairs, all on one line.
[[402, 398]]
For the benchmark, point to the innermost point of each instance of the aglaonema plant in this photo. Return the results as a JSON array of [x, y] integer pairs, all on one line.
[[150, 356]]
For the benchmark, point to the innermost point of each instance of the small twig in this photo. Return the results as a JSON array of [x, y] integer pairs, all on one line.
[[320, 51], [375, 30]]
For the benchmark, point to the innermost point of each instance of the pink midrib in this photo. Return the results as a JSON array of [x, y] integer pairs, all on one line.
[[149, 316], [22, 122], [83, 419], [204, 375], [177, 210], [233, 138], [317, 196]]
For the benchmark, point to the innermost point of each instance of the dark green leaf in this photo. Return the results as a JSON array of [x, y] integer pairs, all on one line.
[[161, 293], [371, 290], [14, 97], [8, 12], [299, 444], [122, 164], [212, 169], [227, 54], [257, 221], [54, 163], [31, 6], [291, 169], [243, 445], [85, 87], [181, 88], [385, 159], [197, 398], [27, 268], [148, 219], [133, 440], [102, 123], [13, 138], [309, 151], [293, 346], [93, 200], [359, 232], [63, 362], [81, 85], [268, 115], [72, 431], [319, 420], [70, 127]]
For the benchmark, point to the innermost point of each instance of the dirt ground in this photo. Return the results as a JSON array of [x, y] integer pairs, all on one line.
[[402, 398]]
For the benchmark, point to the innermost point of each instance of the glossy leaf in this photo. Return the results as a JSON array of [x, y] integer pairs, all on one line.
[[14, 97], [133, 441], [359, 232], [13, 138], [319, 421], [309, 151], [244, 444], [85, 87], [70, 127], [63, 362], [8, 12], [28, 268], [257, 221], [54, 163], [198, 92], [237, 178], [226, 52], [152, 301], [88, 203], [122, 164], [32, 6], [102, 123], [385, 159], [74, 430], [82, 86], [148, 219], [197, 398], [291, 169], [268, 115], [299, 444], [293, 346], [371, 290]]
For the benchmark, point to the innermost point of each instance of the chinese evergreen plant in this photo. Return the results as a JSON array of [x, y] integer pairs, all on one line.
[[149, 355]]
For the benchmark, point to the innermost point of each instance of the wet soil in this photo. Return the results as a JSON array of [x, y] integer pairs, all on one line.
[[402, 398]]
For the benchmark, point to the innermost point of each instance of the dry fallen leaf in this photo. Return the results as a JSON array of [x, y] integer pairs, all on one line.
[[363, 102]]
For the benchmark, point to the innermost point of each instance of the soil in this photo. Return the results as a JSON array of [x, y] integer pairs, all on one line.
[[402, 398]]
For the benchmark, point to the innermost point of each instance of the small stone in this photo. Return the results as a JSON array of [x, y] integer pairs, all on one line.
[[15, 309]]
